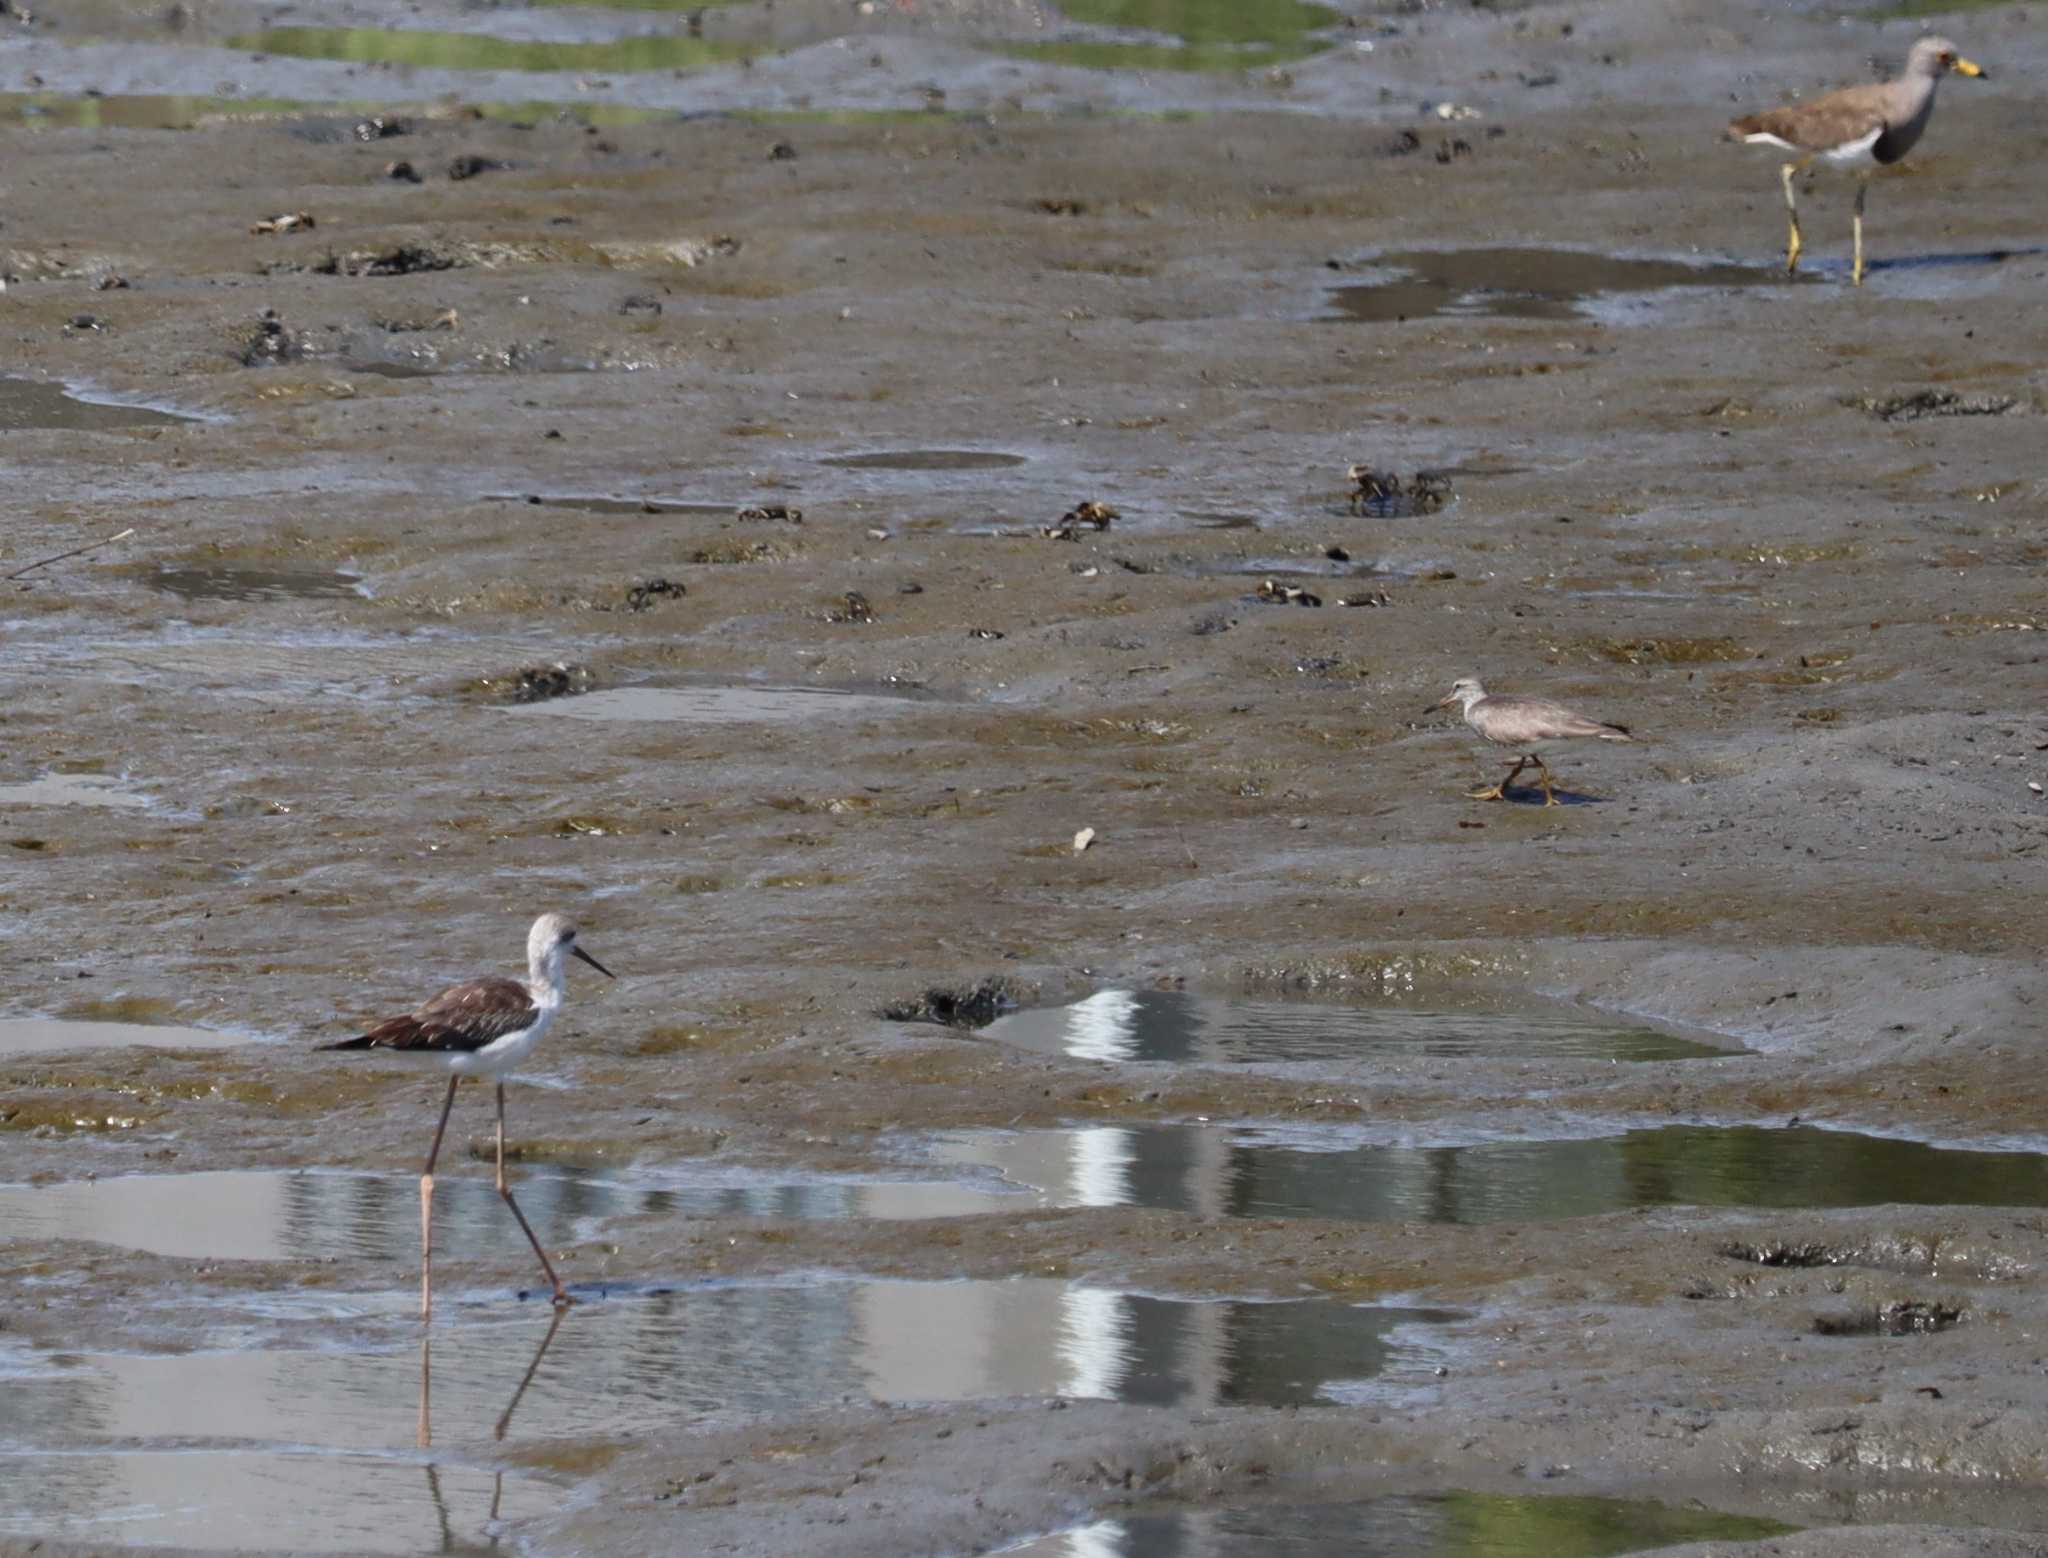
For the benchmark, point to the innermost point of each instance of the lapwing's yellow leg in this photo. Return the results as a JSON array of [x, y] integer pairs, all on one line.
[[1856, 272], [1786, 175]]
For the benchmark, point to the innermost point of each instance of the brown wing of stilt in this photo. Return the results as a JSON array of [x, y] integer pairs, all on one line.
[[460, 1020]]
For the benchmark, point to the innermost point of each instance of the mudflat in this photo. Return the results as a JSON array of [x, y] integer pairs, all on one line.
[[767, 485]]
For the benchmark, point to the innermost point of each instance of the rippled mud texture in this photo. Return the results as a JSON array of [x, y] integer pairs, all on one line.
[[643, 492]]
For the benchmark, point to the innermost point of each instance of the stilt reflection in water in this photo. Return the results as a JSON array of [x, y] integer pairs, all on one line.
[[504, 1423], [425, 1430]]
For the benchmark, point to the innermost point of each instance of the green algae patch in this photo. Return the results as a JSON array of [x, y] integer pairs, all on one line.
[[141, 111], [1524, 1526], [67, 1116]]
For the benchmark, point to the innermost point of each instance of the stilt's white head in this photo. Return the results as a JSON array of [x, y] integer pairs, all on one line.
[[1465, 692], [553, 939]]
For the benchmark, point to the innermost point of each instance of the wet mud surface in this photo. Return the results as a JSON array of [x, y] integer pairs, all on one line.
[[859, 508]]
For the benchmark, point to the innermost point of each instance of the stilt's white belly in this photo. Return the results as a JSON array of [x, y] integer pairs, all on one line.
[[500, 1056]]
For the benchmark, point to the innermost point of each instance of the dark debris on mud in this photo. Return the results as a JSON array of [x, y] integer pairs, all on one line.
[[269, 342], [1088, 515], [652, 592], [851, 607], [470, 166], [1901, 1317], [534, 683], [1922, 404], [405, 259], [1385, 496], [1799, 1256], [1273, 593], [974, 1007]]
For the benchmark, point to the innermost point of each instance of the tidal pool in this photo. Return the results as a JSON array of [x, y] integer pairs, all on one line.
[[59, 1035], [593, 504], [267, 1501], [1522, 283], [226, 582], [373, 1449], [716, 705], [263, 1214], [481, 51], [1226, 1171], [70, 790], [30, 403], [927, 460], [1436, 1525], [635, 1357], [1186, 34], [1176, 1026]]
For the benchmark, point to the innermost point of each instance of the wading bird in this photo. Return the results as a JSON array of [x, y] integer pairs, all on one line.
[[1858, 128], [483, 1028], [1524, 724]]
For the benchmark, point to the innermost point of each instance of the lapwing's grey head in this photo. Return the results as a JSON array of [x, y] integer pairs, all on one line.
[[1933, 57], [1465, 690], [553, 938]]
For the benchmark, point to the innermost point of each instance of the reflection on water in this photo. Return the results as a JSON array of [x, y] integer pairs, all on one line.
[[309, 1487], [260, 1501], [715, 705], [927, 460], [221, 582], [234, 1214], [1218, 1171], [1160, 35], [1522, 283], [593, 504], [1446, 1525], [1196, 34], [56, 1036], [1161, 1025], [130, 111], [627, 1363], [333, 1443], [30, 403], [481, 51]]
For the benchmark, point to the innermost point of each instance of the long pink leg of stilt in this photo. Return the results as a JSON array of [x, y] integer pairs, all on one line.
[[427, 1208], [505, 1190]]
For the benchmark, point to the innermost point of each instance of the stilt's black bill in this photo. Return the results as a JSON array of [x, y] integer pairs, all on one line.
[[578, 952]]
